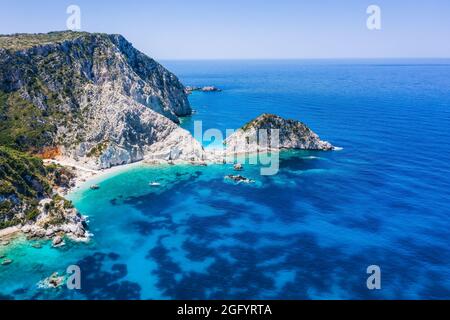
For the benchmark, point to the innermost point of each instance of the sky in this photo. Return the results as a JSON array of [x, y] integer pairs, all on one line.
[[250, 29]]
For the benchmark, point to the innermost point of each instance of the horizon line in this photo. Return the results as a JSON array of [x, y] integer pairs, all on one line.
[[297, 59], [306, 58]]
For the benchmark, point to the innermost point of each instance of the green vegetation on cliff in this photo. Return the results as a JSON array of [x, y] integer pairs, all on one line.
[[23, 41], [23, 125], [23, 181], [20, 174]]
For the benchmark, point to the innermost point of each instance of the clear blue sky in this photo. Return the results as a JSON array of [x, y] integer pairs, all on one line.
[[250, 29]]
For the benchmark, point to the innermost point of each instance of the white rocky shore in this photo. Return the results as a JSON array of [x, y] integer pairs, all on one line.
[[74, 226]]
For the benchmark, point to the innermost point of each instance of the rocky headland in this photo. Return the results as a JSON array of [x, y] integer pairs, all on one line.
[[270, 132]]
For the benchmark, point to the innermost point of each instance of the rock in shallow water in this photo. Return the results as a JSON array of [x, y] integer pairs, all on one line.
[[58, 242], [191, 89], [52, 282], [239, 179], [6, 262]]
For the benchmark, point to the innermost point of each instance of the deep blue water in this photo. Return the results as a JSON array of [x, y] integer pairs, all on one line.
[[308, 232]]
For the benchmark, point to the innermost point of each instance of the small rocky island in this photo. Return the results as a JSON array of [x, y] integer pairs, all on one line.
[[291, 134], [190, 89], [239, 179]]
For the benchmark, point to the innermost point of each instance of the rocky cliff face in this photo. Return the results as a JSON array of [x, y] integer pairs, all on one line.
[[93, 97], [256, 136], [121, 131]]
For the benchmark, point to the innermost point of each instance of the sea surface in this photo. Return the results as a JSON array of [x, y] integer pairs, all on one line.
[[308, 232]]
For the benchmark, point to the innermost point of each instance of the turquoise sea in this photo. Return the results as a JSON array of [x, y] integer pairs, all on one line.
[[309, 232]]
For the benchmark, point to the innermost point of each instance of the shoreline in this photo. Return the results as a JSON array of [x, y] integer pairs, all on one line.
[[84, 175], [8, 233]]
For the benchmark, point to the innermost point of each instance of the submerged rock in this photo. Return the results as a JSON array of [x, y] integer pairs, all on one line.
[[239, 179], [52, 282], [6, 262], [210, 89]]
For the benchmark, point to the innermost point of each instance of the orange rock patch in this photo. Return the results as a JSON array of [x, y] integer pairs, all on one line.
[[49, 153]]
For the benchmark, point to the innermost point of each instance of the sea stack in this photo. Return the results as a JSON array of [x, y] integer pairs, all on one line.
[[258, 135]]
